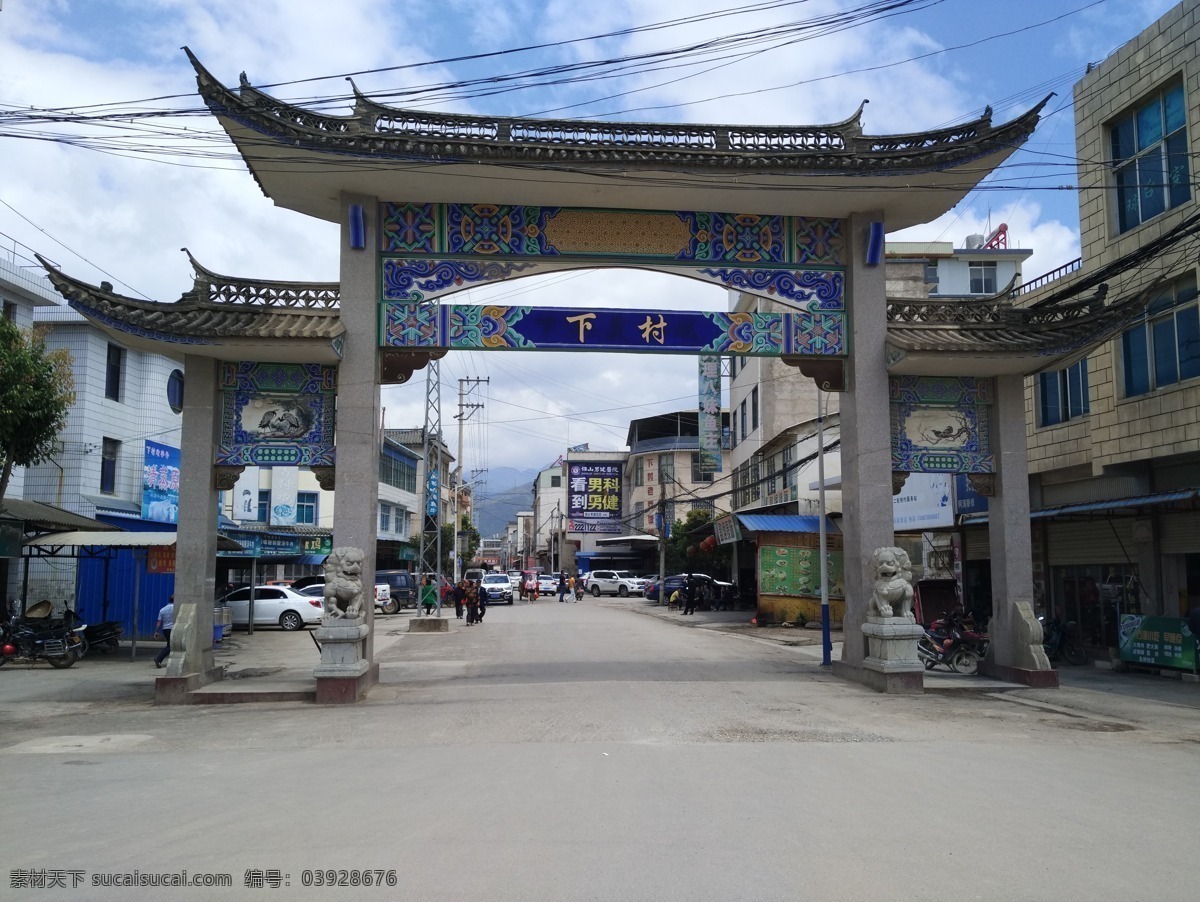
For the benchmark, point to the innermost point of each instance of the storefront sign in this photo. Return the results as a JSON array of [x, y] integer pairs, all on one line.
[[316, 545], [966, 499], [726, 530], [923, 503], [1157, 641], [710, 413], [160, 559], [797, 571], [593, 497]]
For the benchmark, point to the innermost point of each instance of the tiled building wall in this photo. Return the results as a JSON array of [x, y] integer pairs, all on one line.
[[1166, 421]]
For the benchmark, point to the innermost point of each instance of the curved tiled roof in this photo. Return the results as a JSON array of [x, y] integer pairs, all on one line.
[[217, 308], [379, 131]]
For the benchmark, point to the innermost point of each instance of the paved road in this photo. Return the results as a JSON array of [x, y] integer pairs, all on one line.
[[581, 751]]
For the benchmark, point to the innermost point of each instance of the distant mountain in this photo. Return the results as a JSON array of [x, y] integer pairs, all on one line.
[[504, 479], [495, 510]]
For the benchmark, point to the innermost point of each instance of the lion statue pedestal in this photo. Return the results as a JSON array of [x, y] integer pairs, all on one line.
[[892, 664], [342, 675]]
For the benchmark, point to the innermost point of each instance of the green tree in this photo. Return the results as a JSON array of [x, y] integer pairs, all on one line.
[[36, 392], [686, 550], [448, 545]]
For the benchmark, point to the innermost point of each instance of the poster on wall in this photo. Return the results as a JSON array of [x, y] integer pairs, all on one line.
[[593, 497], [797, 571], [1157, 641], [284, 486], [160, 483], [923, 503]]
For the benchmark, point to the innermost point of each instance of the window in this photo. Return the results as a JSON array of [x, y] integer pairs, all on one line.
[[639, 472], [666, 469], [733, 431], [754, 409], [983, 278], [10, 310], [1149, 158], [699, 475], [175, 391], [112, 373], [264, 505], [110, 451], [555, 482], [1063, 395], [638, 508], [306, 507], [398, 472], [385, 518], [1164, 348], [403, 517], [743, 410]]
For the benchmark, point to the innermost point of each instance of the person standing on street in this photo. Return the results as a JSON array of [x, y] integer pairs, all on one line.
[[472, 602], [690, 595], [428, 595], [164, 625], [460, 596], [562, 585]]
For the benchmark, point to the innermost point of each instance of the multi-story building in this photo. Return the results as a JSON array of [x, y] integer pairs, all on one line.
[[664, 475], [1114, 439]]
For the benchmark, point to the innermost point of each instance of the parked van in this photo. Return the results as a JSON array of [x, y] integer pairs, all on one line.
[[402, 586], [475, 575]]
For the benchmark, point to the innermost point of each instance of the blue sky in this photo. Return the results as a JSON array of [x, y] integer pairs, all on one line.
[[122, 210]]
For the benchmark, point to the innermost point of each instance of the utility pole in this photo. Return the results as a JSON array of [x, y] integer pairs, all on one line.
[[464, 411]]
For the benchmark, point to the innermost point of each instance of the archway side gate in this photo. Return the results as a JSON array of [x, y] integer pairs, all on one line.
[[500, 199]]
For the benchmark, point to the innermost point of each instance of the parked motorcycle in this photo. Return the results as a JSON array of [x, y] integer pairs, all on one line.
[[954, 643], [1061, 640], [59, 646], [99, 637]]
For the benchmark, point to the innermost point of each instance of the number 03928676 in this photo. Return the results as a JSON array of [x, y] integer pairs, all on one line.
[[344, 877]]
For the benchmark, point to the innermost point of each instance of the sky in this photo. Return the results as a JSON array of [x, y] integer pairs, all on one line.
[[116, 199]]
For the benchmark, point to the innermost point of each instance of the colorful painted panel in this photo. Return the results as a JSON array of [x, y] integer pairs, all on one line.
[[487, 327], [797, 571], [415, 280], [277, 415], [500, 230], [594, 497], [941, 424]]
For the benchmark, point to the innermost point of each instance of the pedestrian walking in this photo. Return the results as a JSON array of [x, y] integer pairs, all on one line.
[[428, 595], [689, 595], [471, 600], [483, 604], [531, 588], [460, 596], [164, 625], [562, 585]]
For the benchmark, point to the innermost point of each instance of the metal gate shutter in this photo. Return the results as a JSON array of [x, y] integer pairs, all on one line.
[[976, 546], [1180, 533], [1091, 542]]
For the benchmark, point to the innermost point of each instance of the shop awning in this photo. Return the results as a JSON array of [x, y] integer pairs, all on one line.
[[316, 560], [37, 515], [785, 523], [1085, 507], [83, 538], [628, 540]]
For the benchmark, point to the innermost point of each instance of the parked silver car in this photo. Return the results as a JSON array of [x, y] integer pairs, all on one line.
[[274, 605], [614, 582]]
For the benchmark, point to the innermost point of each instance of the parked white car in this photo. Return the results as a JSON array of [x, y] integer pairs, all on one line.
[[614, 582], [274, 606], [383, 596]]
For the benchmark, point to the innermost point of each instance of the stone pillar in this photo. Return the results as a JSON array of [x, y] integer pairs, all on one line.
[[1015, 652], [191, 662], [356, 510], [866, 440]]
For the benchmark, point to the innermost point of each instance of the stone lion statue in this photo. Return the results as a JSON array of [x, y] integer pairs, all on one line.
[[343, 583], [892, 595]]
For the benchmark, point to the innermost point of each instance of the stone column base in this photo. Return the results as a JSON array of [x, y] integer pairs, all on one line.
[[173, 690], [346, 690], [1038, 679], [892, 664], [429, 625]]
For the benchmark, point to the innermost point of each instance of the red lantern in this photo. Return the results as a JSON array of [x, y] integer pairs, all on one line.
[[709, 545]]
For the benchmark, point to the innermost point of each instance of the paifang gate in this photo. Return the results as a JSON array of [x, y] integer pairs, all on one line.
[[430, 204]]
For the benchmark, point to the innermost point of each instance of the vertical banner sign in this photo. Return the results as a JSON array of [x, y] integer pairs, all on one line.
[[284, 485], [245, 495], [160, 483], [593, 497], [432, 492], [710, 414]]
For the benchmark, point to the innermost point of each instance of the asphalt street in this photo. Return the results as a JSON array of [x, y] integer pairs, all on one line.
[[588, 751]]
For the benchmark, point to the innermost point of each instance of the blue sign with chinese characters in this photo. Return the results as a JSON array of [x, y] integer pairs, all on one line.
[[431, 494]]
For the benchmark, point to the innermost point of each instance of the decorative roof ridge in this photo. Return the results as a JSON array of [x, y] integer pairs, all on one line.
[[214, 288], [281, 298], [374, 129]]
